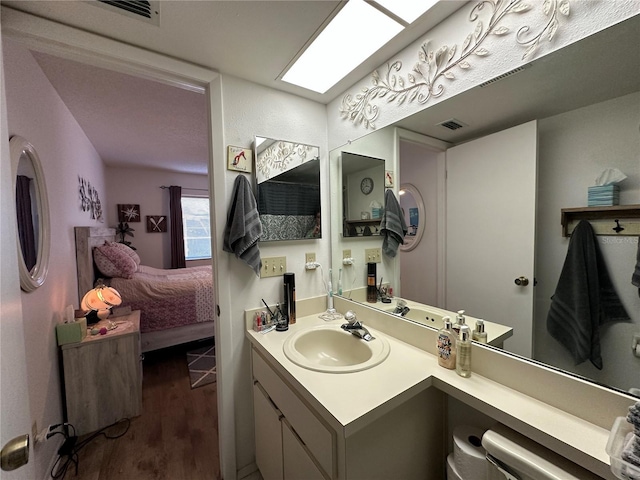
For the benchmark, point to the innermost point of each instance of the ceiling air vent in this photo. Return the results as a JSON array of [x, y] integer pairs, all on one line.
[[505, 75], [452, 124], [147, 11]]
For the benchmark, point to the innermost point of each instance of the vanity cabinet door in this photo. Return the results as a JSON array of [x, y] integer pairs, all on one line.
[[297, 462], [268, 435]]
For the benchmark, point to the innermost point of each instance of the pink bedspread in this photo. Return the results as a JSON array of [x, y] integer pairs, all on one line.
[[168, 298]]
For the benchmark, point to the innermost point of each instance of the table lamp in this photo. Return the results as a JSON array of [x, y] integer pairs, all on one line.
[[98, 302]]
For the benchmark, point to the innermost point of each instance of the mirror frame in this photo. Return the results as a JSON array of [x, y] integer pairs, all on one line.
[[407, 246], [34, 278]]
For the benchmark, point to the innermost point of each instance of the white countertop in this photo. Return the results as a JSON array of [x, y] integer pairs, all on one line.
[[350, 401], [366, 390]]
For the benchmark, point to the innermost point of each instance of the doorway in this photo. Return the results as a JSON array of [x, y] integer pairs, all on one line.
[[68, 181]]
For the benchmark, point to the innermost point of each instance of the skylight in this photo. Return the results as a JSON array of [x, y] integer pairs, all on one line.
[[407, 10], [352, 36]]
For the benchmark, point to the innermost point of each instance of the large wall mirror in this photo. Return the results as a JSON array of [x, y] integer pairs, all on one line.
[[288, 189], [32, 214], [362, 194], [581, 131]]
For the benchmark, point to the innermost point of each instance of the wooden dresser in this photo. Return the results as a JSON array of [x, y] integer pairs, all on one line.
[[103, 376]]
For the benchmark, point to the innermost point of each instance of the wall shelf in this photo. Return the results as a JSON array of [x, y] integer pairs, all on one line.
[[356, 228], [603, 219]]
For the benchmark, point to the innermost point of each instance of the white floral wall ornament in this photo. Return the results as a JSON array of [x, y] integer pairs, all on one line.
[[89, 200], [282, 156], [437, 66]]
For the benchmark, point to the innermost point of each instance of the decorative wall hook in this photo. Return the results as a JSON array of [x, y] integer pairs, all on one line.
[[617, 228]]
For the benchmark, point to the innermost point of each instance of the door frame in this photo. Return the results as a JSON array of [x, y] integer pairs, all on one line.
[[440, 147], [67, 42]]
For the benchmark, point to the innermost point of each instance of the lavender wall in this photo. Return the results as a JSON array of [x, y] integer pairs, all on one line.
[[36, 112]]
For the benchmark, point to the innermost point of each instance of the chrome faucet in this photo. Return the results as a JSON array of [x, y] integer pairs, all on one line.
[[401, 308], [355, 327]]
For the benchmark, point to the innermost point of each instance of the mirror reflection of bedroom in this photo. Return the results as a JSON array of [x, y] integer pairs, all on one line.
[[139, 227]]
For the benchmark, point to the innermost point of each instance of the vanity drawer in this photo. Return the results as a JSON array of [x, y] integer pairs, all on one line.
[[311, 431]]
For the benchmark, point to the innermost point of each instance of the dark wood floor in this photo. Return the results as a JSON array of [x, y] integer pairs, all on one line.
[[175, 438]]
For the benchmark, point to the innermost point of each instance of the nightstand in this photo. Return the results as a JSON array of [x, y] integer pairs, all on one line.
[[103, 376]]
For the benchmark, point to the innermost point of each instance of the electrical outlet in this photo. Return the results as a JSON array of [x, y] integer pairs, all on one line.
[[373, 255], [309, 257], [346, 253], [273, 267]]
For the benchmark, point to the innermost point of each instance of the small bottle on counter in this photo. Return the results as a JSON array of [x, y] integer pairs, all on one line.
[[446, 345], [290, 297], [479, 335], [372, 290], [460, 320], [463, 352]]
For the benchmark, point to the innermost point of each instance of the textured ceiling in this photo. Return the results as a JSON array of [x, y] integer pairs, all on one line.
[[136, 122], [132, 121]]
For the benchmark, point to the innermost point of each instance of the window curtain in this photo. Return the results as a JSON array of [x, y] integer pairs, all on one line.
[[177, 235], [26, 232]]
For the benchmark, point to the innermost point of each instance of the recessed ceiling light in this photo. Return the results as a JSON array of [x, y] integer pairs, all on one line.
[[407, 10], [352, 36]]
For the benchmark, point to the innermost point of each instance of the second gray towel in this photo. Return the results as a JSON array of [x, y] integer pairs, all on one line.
[[584, 298], [392, 227]]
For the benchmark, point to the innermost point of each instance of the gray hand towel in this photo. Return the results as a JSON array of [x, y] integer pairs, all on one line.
[[243, 227], [584, 298], [392, 227]]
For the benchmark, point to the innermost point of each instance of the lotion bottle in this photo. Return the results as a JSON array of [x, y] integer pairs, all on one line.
[[463, 352], [446, 345], [479, 335], [459, 322]]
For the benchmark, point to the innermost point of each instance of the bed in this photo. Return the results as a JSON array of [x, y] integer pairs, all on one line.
[[176, 306]]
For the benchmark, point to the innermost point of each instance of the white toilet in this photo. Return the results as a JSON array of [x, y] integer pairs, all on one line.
[[513, 456]]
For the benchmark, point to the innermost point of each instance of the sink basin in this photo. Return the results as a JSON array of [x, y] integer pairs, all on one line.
[[328, 348]]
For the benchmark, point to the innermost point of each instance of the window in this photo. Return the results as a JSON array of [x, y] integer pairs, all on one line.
[[196, 227]]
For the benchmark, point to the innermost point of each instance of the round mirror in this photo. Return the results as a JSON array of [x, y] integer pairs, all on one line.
[[413, 208], [32, 214]]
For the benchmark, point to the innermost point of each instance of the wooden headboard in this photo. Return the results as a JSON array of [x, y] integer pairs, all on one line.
[[86, 239]]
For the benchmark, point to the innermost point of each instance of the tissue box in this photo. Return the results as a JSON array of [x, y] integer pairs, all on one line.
[[603, 196], [72, 332], [376, 212]]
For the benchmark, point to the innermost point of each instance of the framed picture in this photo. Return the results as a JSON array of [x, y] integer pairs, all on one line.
[[156, 223], [388, 178], [239, 159], [129, 213]]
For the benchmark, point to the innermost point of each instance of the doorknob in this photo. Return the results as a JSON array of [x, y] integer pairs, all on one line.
[[522, 281], [15, 453]]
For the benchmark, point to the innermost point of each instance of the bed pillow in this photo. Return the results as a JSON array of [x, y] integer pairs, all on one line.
[[112, 261], [126, 249]]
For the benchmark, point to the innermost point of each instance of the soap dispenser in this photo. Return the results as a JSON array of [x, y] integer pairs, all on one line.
[[446, 345], [479, 335], [459, 322], [463, 352]]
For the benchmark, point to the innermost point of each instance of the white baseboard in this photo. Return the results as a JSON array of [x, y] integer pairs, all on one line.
[[247, 471]]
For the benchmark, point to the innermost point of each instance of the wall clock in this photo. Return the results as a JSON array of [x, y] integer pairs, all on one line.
[[366, 185]]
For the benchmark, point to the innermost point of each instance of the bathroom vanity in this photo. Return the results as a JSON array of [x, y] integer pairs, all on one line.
[[365, 424], [390, 420]]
